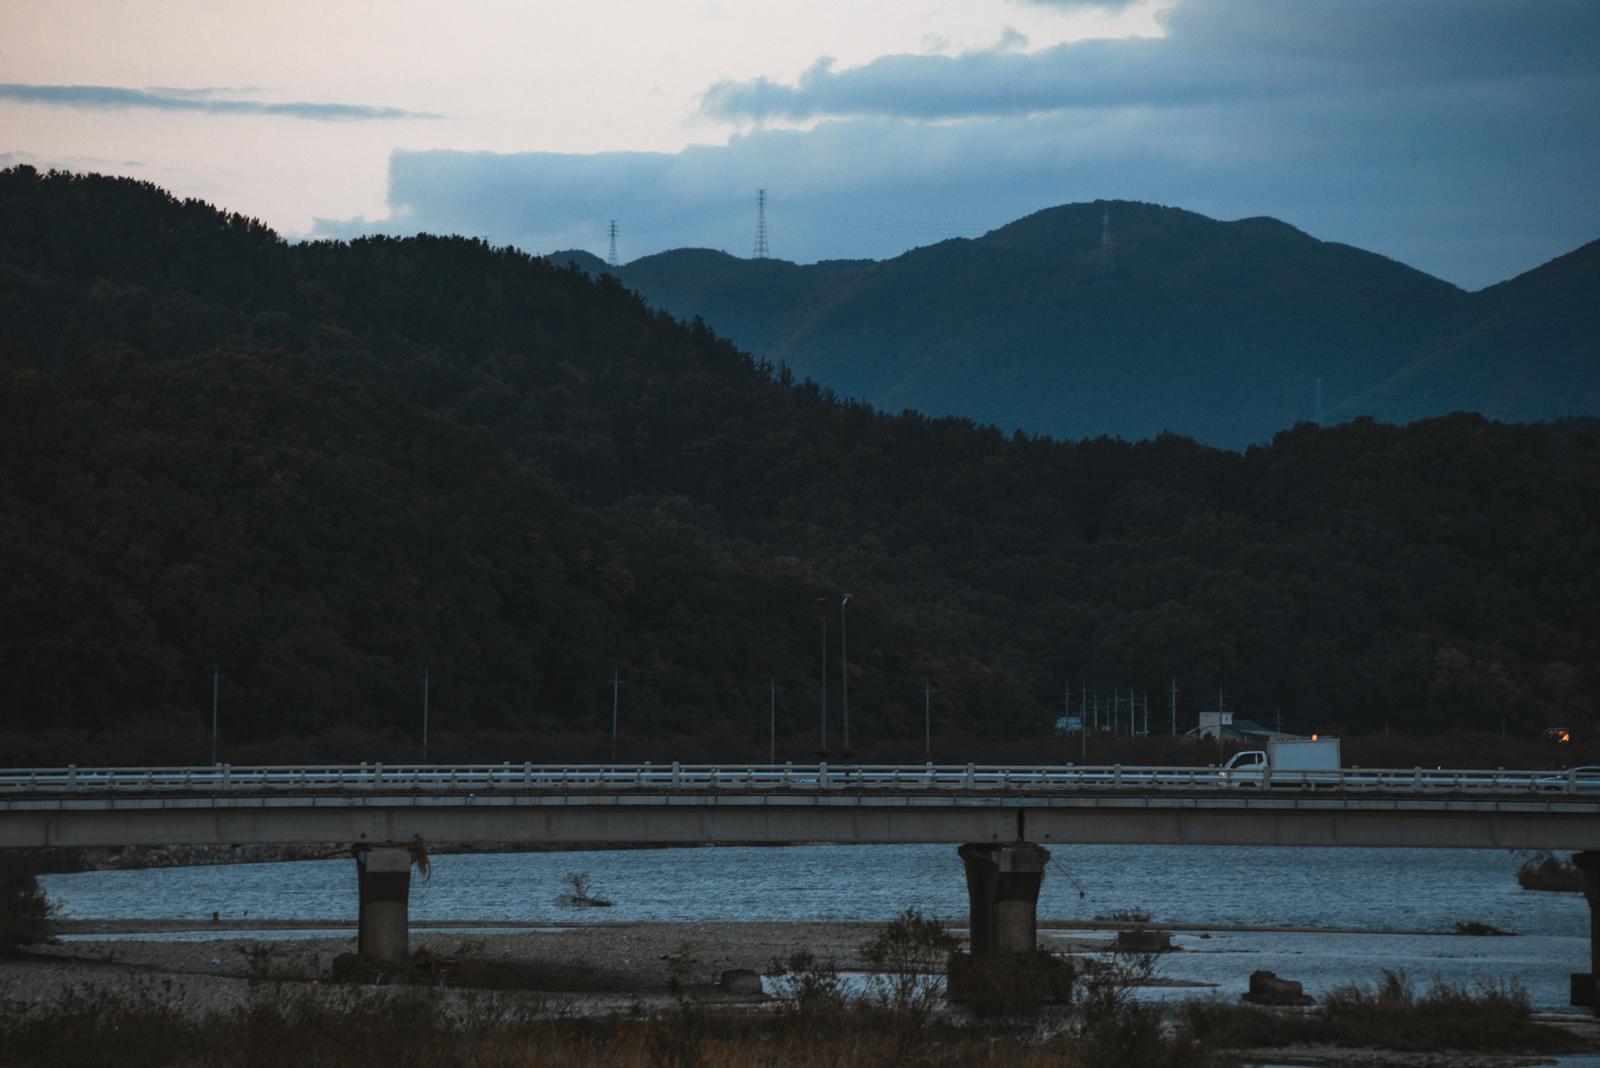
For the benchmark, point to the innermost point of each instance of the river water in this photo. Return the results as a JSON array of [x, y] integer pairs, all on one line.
[[1389, 894]]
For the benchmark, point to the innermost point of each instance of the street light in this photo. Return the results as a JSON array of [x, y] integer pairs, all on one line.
[[822, 603], [844, 669]]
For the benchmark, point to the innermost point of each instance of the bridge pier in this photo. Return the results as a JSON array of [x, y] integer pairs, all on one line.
[[1584, 990], [383, 883], [1005, 972], [1003, 890]]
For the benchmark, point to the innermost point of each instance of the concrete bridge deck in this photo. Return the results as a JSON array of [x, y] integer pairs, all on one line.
[[375, 804]]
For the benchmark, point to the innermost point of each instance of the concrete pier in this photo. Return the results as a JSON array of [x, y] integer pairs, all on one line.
[[383, 881], [1583, 985], [1003, 890]]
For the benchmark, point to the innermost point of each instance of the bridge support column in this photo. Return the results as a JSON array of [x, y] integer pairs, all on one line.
[[1003, 889], [1005, 972], [383, 881], [1584, 990]]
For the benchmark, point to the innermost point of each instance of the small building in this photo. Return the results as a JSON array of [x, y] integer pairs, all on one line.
[[1221, 725]]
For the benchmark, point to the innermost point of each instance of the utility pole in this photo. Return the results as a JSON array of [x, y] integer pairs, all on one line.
[[927, 718], [427, 680], [772, 721], [611, 257], [761, 224], [616, 689], [844, 669], [822, 602], [1174, 705], [215, 677]]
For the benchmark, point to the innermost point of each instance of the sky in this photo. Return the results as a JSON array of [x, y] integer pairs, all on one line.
[[1459, 136]]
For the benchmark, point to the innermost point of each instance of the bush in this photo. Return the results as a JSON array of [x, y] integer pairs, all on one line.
[[580, 894], [24, 910], [911, 956], [1543, 871], [809, 985]]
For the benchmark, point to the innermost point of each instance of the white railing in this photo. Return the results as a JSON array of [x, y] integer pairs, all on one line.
[[780, 778]]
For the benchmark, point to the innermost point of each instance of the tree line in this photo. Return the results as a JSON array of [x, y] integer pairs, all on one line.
[[328, 468]]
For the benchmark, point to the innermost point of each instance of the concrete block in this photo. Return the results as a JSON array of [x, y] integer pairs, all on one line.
[[740, 981]]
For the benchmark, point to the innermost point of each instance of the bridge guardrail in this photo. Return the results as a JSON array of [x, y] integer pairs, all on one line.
[[676, 777]]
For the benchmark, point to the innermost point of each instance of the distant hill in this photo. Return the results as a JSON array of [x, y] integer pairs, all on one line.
[[329, 470], [1527, 349], [1219, 330]]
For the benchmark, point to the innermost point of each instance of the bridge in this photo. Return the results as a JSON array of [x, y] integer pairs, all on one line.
[[1005, 815]]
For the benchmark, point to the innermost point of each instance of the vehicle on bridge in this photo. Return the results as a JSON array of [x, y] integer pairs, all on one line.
[[1306, 760], [1579, 780]]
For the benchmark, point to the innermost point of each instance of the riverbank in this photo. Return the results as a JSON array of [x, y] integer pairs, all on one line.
[[593, 972], [224, 924]]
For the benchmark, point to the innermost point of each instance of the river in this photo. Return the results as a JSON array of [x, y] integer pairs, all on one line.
[[1388, 894]]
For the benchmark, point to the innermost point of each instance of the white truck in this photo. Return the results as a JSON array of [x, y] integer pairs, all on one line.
[[1298, 761]]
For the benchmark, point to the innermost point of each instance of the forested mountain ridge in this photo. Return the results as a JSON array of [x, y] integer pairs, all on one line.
[[327, 468], [1217, 330]]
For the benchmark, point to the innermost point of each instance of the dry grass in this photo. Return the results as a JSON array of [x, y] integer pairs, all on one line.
[[1390, 1014]]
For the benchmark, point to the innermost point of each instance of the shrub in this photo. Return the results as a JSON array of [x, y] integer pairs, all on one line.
[[580, 895], [24, 910], [808, 984], [1544, 871], [910, 956]]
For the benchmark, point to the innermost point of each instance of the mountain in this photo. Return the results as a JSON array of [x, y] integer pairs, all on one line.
[[1129, 319], [1528, 349], [327, 471]]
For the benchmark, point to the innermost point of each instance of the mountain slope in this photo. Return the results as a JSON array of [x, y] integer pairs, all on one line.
[[1218, 330], [1530, 350], [328, 470]]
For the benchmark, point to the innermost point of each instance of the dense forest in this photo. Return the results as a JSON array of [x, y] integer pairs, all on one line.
[[326, 471], [1131, 319]]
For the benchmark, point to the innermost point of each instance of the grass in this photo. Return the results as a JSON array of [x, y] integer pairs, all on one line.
[[1390, 1014], [416, 1028]]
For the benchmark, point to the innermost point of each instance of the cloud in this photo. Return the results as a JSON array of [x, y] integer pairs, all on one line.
[[1448, 136], [1213, 50], [1108, 5], [107, 97]]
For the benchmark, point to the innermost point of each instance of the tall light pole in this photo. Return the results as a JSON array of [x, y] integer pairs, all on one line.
[[822, 603], [927, 719], [772, 721], [844, 669], [215, 677], [616, 688], [427, 679]]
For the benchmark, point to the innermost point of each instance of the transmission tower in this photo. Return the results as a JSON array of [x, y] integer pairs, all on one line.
[[1105, 268], [761, 224], [611, 257]]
